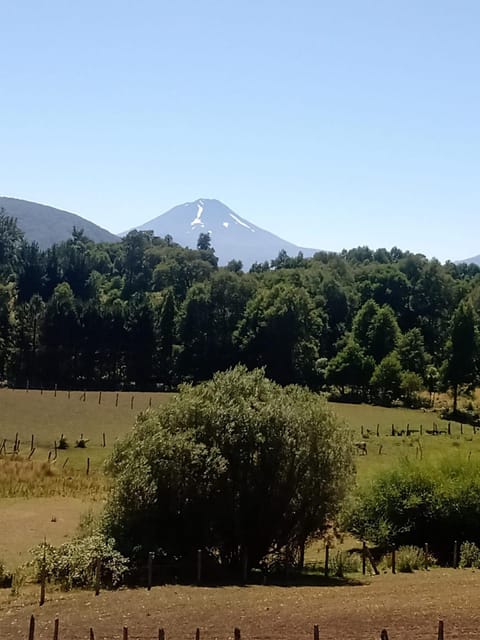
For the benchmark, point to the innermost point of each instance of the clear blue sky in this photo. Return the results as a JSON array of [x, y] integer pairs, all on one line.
[[333, 124]]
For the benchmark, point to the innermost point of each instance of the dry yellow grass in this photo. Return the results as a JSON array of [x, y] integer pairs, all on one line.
[[26, 522], [30, 479]]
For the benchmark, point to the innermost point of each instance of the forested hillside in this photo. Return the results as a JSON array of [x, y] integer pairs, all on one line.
[[143, 312]]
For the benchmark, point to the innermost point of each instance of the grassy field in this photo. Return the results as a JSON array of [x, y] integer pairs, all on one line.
[[408, 606], [46, 415], [64, 480], [384, 450]]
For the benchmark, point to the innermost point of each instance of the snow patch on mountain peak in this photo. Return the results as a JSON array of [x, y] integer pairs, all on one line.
[[244, 224], [198, 218]]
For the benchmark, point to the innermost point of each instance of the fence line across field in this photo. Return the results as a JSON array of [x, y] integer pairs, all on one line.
[[365, 432], [84, 395], [160, 570], [161, 635]]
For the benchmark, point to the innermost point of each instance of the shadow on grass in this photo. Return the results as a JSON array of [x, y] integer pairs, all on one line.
[[270, 580]]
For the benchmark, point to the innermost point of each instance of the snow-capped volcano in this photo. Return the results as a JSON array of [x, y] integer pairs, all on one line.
[[232, 237]]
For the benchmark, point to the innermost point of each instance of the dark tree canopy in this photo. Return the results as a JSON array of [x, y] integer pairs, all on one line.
[[145, 312]]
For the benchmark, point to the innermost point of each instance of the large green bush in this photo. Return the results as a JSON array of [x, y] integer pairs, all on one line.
[[73, 564], [420, 502], [237, 466]]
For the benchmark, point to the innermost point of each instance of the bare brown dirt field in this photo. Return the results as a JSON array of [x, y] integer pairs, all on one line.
[[24, 524], [408, 606]]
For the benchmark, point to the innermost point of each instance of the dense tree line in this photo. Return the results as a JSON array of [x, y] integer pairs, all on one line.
[[373, 325]]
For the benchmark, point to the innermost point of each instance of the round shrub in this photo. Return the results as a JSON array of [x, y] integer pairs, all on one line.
[[237, 466], [418, 502]]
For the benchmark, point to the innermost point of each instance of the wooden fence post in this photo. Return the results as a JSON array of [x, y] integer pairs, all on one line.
[[245, 567], [151, 555], [131, 402], [68, 394], [440, 630], [55, 629], [455, 554], [364, 558], [92, 634], [116, 400], [88, 466], [327, 549], [449, 429], [394, 566], [99, 397], [197, 634], [378, 430], [199, 566], [125, 633], [43, 575], [384, 635], [316, 634], [32, 442], [104, 440], [161, 634], [31, 628], [236, 634], [55, 391], [98, 573]]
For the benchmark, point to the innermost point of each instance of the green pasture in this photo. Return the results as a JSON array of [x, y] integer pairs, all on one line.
[[47, 415], [385, 449], [64, 482]]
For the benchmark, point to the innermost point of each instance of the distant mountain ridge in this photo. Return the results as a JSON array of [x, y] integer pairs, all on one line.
[[48, 225], [232, 236], [474, 260]]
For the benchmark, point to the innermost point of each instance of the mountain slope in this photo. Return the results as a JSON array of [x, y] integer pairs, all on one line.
[[47, 225], [232, 236], [474, 260]]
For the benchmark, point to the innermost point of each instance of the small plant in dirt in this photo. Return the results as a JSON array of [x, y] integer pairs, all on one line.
[[409, 559], [19, 578], [469, 555], [89, 524], [343, 562], [62, 443], [81, 443], [73, 564], [5, 577]]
